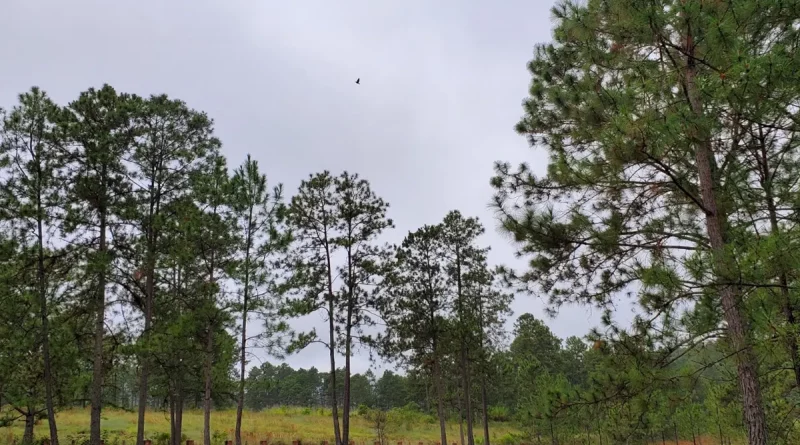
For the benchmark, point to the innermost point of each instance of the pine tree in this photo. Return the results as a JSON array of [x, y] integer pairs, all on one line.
[[331, 216], [463, 262], [642, 107], [213, 234], [98, 127], [33, 201], [258, 214], [361, 220], [417, 302], [172, 142], [311, 217]]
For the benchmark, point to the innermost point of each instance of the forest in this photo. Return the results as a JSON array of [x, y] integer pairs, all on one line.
[[141, 270]]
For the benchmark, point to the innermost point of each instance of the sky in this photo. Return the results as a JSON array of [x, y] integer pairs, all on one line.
[[442, 84]]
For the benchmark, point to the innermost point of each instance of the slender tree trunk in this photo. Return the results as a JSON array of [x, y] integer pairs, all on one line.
[[245, 309], [786, 299], [485, 407], [179, 417], [346, 401], [30, 421], [240, 402], [716, 222], [207, 367], [149, 303], [461, 423], [465, 372], [348, 340], [553, 439], [332, 347], [99, 330], [173, 436], [484, 362], [45, 319], [209, 359], [437, 375]]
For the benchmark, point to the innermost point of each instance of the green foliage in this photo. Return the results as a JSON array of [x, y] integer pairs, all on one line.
[[499, 414]]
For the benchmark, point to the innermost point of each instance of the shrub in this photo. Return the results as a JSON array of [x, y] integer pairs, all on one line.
[[509, 439], [499, 414]]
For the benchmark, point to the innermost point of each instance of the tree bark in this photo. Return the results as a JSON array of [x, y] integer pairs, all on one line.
[[30, 421], [99, 331], [207, 367], [172, 434], [209, 359], [461, 423], [465, 372], [149, 303], [346, 401], [716, 222], [484, 402], [179, 418], [485, 408], [348, 341], [332, 346], [437, 372], [783, 280], [245, 301], [44, 314]]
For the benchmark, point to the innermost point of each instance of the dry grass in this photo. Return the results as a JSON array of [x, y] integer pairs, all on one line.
[[275, 425]]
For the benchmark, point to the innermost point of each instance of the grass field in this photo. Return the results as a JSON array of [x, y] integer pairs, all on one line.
[[278, 425]]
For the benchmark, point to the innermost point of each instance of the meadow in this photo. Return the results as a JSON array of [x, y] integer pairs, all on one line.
[[276, 425]]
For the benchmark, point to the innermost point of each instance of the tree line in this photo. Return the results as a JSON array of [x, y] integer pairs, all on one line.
[[132, 250]]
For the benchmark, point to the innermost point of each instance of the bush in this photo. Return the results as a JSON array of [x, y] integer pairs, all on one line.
[[499, 414], [509, 439]]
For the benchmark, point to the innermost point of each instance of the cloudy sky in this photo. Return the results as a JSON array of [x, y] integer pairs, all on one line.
[[441, 87]]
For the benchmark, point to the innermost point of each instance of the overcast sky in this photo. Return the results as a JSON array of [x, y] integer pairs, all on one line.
[[441, 86]]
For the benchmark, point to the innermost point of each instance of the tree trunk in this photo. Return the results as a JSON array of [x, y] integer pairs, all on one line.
[[484, 361], [351, 289], [149, 303], [240, 402], [346, 401], [465, 373], [179, 417], [783, 280], [553, 439], [207, 378], [437, 372], [485, 408], [243, 358], [334, 403], [172, 435], [332, 348], [30, 421], [99, 330], [716, 222], [677, 436], [461, 423], [45, 319]]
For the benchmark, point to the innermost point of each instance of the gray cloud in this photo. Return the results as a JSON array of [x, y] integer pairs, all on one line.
[[441, 87]]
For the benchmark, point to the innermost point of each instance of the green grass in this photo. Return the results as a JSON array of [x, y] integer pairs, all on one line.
[[275, 425]]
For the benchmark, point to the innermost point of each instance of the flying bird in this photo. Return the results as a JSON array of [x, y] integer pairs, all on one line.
[[358, 81]]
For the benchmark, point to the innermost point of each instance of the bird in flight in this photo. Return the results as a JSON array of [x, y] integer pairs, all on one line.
[[358, 81]]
